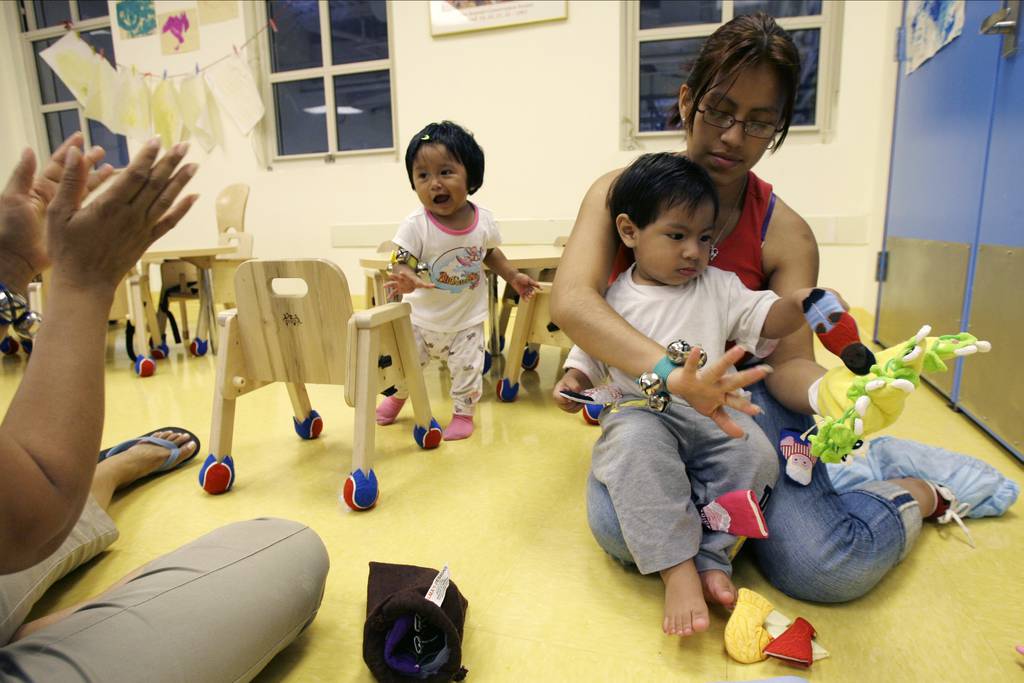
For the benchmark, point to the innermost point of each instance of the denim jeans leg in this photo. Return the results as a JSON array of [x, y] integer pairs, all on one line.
[[604, 523], [824, 546]]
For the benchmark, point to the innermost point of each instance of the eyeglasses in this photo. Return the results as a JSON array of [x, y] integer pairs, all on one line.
[[755, 129]]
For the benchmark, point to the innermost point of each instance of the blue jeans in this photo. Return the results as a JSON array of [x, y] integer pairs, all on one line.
[[823, 546]]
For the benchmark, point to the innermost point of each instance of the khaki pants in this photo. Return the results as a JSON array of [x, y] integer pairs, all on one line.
[[216, 609]]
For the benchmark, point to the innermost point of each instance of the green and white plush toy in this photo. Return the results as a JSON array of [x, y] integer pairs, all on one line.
[[850, 407]]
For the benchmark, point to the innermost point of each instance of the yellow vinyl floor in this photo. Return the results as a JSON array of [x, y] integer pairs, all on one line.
[[505, 510]]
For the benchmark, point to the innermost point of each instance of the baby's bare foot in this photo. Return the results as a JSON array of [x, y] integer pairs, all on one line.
[[686, 612], [718, 588]]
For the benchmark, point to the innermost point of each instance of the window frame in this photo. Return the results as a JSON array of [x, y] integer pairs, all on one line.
[[829, 22], [33, 34], [267, 79]]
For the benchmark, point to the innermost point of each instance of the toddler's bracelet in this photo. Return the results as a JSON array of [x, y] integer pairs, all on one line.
[[405, 257], [654, 384], [14, 311]]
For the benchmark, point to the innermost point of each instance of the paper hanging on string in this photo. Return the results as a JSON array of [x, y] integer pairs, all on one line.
[[163, 106], [102, 104], [74, 62], [195, 111], [232, 84], [132, 106]]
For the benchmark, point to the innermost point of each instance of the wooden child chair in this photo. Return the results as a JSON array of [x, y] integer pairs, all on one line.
[[509, 300], [533, 326], [375, 279], [313, 338]]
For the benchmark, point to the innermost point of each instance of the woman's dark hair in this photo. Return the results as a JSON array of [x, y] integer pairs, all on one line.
[[460, 144], [747, 40], [655, 183]]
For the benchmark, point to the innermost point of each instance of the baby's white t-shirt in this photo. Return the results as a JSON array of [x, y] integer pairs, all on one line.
[[708, 311], [459, 299]]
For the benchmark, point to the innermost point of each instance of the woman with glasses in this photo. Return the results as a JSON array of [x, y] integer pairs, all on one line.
[[737, 104]]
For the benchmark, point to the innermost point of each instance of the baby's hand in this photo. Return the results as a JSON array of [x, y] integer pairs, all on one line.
[[404, 281], [709, 390], [575, 381], [524, 285]]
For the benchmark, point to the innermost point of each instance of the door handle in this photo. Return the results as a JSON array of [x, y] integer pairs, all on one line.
[[1004, 23]]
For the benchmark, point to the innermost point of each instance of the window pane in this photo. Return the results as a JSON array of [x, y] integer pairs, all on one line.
[[51, 88], [664, 66], [658, 13], [90, 9], [359, 31], [301, 123], [807, 42], [296, 45], [52, 12], [22, 15], [779, 8], [59, 125], [364, 110], [115, 145], [101, 40]]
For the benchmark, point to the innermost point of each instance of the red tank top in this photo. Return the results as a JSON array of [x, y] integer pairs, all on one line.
[[740, 252]]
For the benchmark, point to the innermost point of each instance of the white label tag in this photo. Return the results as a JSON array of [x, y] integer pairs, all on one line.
[[440, 586]]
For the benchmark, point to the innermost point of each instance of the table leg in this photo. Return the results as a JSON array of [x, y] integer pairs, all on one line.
[[137, 314], [206, 313], [492, 315]]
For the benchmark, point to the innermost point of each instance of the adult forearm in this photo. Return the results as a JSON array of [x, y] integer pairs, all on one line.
[[15, 273], [791, 380], [596, 328], [51, 432]]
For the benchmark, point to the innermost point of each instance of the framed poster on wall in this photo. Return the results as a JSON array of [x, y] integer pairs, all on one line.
[[461, 16]]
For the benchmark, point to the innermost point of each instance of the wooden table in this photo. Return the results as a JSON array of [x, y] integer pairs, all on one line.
[[143, 312], [522, 256]]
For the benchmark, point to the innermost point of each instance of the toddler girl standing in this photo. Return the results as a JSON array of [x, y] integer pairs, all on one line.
[[450, 239]]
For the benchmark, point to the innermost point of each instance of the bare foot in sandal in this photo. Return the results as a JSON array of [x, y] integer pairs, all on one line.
[[138, 461]]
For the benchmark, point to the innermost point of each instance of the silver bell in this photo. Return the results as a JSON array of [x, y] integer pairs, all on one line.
[[28, 325], [11, 306], [678, 351], [649, 383], [658, 402], [422, 268]]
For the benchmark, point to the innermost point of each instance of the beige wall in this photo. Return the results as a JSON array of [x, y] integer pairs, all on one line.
[[543, 100]]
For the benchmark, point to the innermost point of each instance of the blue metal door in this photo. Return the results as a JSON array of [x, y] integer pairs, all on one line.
[[991, 387], [954, 242], [936, 181]]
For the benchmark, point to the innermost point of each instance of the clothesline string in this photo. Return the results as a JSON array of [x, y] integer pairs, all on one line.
[[149, 74]]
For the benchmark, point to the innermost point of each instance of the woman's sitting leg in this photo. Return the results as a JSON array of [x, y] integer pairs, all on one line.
[[825, 546], [218, 609]]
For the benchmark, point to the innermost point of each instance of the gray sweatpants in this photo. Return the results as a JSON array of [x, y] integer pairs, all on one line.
[[658, 466], [216, 609]]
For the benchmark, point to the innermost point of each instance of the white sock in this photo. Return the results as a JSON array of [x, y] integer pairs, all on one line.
[[812, 395]]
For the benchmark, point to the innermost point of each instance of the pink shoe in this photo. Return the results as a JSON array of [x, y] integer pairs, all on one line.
[[460, 427], [387, 411]]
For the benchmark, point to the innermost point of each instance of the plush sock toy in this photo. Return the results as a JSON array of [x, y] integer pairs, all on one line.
[[414, 622], [756, 630], [799, 460], [854, 406], [837, 330], [794, 644], [735, 512]]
